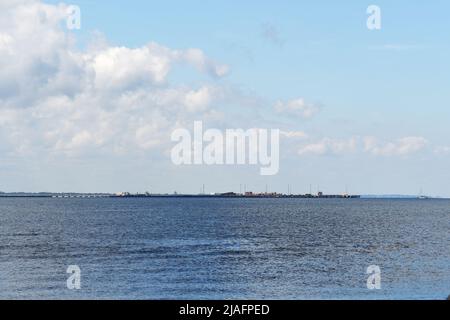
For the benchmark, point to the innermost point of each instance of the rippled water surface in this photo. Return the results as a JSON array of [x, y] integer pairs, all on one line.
[[224, 248]]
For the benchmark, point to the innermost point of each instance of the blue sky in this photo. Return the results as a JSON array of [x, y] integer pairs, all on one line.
[[396, 75], [387, 84]]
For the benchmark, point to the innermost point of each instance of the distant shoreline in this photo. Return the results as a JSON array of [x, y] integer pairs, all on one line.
[[212, 196]]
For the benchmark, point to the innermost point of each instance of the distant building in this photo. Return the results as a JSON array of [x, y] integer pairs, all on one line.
[[123, 194]]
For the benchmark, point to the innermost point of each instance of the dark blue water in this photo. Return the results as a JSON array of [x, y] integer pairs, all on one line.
[[224, 248]]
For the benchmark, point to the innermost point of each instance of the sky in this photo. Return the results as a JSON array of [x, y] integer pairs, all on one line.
[[93, 109]]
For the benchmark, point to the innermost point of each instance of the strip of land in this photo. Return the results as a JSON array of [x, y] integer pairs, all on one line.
[[215, 195]]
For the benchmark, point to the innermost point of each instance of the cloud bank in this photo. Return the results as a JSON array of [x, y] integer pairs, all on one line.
[[297, 108], [370, 145], [57, 98]]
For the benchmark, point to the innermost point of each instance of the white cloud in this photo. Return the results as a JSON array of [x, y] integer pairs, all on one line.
[[297, 108], [60, 99], [198, 100], [329, 146], [400, 147], [294, 134], [442, 150], [371, 145], [197, 58], [123, 68]]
